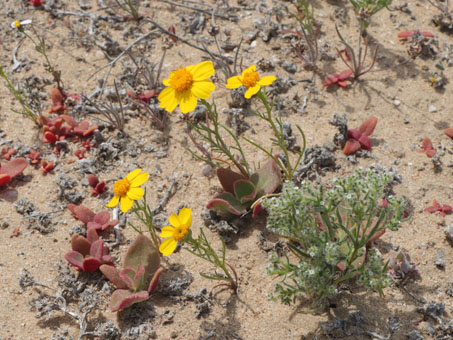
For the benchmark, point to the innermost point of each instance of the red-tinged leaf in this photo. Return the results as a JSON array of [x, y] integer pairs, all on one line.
[[227, 177], [172, 29], [80, 153], [345, 75], [147, 95], [97, 249], [75, 258], [36, 3], [432, 209], [127, 275], [7, 153], [14, 167], [405, 34], [351, 146], [341, 265], [368, 126], [69, 120], [93, 180], [226, 204], [155, 279], [82, 213], [244, 190], [34, 156], [365, 142], [56, 96], [49, 137], [330, 80], [46, 166], [430, 153], [446, 208], [80, 244], [267, 178], [91, 264], [142, 252], [4, 178], [102, 217], [257, 209], [449, 132], [427, 34], [113, 275], [122, 298], [139, 278], [342, 84], [100, 187], [92, 235], [427, 144], [354, 134]]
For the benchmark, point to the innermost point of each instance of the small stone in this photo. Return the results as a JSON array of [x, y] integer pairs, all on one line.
[[414, 335], [396, 103], [289, 67], [449, 233], [440, 263], [253, 44], [432, 109]]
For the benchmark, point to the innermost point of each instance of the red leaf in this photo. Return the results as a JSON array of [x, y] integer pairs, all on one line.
[[365, 142], [345, 75], [449, 132], [351, 146], [330, 80], [57, 101], [93, 180], [49, 137], [14, 167], [4, 178], [91, 264], [354, 134], [368, 126]]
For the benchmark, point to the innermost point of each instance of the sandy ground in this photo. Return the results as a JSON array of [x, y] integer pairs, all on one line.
[[397, 92]]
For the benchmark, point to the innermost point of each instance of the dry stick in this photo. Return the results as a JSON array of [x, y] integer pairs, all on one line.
[[113, 62], [199, 10], [165, 199], [182, 39], [17, 63]]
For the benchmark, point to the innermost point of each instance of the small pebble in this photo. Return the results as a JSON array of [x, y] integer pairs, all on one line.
[[432, 109], [440, 263], [397, 103]]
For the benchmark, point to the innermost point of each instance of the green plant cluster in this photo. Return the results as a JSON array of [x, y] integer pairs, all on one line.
[[330, 233]]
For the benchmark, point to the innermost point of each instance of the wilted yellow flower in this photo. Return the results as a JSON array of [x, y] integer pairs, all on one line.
[[180, 226], [128, 190], [185, 85], [251, 80]]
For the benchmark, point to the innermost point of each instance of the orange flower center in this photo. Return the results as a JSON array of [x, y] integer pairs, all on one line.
[[121, 187], [181, 80], [179, 232], [250, 78]]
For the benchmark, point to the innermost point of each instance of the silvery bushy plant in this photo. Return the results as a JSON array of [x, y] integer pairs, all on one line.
[[330, 230]]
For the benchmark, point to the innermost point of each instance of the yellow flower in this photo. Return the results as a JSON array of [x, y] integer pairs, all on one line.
[[17, 24], [251, 80], [185, 85], [128, 189], [180, 227]]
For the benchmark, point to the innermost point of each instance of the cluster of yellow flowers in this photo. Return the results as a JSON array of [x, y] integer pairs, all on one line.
[[184, 87], [187, 84]]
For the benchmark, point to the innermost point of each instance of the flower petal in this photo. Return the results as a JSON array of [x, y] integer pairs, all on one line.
[[131, 175], [114, 201], [126, 204], [168, 246], [139, 180], [202, 71], [268, 80], [167, 231], [185, 216], [166, 82], [250, 69], [252, 91], [188, 102], [135, 193], [202, 89], [168, 99], [174, 220], [234, 82]]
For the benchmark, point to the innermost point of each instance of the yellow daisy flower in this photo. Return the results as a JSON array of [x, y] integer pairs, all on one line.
[[180, 225], [251, 80], [185, 85], [128, 190]]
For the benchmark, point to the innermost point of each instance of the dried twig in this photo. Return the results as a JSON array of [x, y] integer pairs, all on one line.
[[233, 19]]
